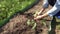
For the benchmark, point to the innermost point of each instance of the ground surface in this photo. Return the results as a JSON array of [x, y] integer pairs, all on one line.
[[17, 25]]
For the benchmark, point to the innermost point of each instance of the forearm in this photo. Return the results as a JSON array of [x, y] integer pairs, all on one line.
[[41, 16], [44, 15], [45, 5], [41, 10], [52, 12]]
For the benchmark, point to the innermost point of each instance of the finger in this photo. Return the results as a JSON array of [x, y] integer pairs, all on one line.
[[36, 18]]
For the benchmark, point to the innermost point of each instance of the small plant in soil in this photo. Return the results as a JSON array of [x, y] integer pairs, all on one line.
[[43, 22], [31, 23]]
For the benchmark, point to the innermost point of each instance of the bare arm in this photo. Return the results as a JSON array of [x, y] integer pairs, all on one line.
[[45, 5], [41, 11], [51, 12]]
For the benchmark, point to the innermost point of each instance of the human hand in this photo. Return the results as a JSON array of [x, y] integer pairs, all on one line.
[[38, 17], [41, 16]]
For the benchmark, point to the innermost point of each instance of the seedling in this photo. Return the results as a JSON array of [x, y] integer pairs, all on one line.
[[31, 23], [43, 22]]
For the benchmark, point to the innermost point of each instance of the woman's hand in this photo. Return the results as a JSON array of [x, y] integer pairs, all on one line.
[[41, 16], [38, 17]]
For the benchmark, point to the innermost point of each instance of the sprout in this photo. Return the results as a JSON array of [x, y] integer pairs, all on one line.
[[34, 26], [31, 22], [28, 22], [43, 22]]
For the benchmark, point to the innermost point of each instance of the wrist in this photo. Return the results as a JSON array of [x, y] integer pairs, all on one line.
[[44, 15]]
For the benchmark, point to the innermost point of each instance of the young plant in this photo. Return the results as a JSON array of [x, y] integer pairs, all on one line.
[[31, 23], [44, 22]]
